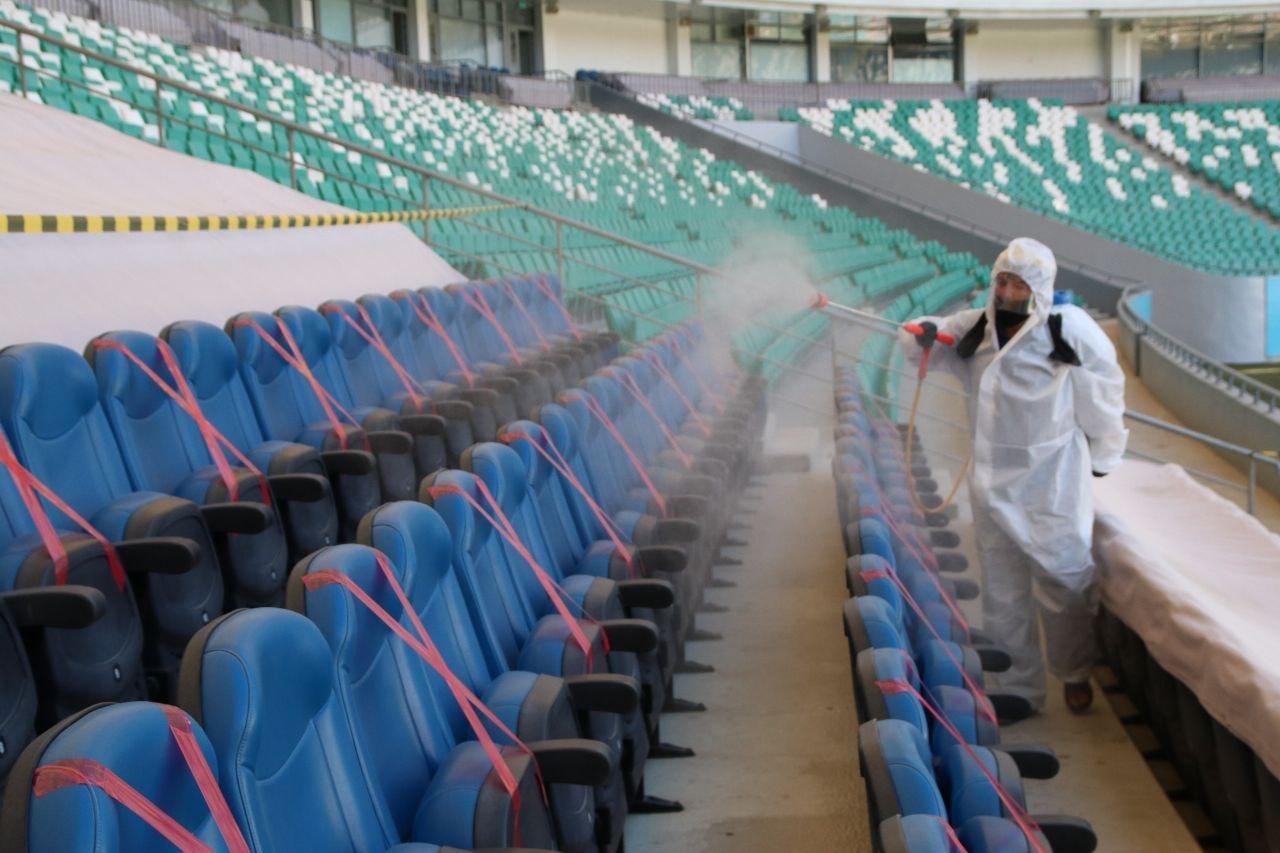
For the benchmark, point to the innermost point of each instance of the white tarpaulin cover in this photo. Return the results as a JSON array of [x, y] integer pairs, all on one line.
[[66, 288], [1198, 579]]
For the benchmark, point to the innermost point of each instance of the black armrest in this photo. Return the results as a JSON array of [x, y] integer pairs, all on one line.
[[631, 635], [454, 410], [993, 658], [306, 488], [1034, 760], [661, 558], [421, 425], [1067, 834], [351, 462], [1010, 707], [237, 517], [681, 531], [498, 384], [479, 396], [698, 483], [521, 374], [961, 589], [164, 555], [618, 694], [69, 606], [652, 593], [692, 507], [390, 441], [574, 761]]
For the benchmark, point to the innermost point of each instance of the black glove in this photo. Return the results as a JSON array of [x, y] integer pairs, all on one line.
[[928, 335], [1096, 474]]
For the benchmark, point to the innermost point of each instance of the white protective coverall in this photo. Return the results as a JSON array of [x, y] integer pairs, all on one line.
[[1040, 426]]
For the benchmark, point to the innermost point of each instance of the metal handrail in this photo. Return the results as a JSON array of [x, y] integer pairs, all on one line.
[[1256, 393], [936, 214]]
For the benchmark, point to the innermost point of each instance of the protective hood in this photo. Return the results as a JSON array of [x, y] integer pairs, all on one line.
[[1033, 261]]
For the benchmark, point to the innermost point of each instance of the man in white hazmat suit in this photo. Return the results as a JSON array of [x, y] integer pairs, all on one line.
[[1046, 405]]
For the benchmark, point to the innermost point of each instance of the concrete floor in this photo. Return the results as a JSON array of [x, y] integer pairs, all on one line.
[[776, 767]]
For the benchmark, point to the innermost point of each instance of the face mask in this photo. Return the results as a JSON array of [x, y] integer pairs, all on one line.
[[1014, 306], [1005, 319]]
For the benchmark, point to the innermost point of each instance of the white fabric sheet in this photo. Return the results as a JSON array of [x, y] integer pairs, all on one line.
[[67, 288], [1199, 580]]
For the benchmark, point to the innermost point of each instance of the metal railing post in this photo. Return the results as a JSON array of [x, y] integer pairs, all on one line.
[[22, 66], [1253, 482], [293, 170], [159, 115], [560, 255], [426, 207]]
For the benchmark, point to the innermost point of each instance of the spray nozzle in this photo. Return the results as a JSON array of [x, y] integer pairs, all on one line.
[[820, 301]]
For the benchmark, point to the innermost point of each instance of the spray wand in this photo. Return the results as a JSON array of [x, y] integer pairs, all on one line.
[[927, 335]]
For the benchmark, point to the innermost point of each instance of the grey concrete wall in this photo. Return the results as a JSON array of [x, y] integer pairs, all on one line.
[[1205, 406], [1222, 316]]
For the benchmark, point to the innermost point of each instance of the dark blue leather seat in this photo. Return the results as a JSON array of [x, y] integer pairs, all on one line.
[[163, 451], [288, 410], [66, 608], [444, 360], [261, 683], [535, 706], [402, 713], [50, 413], [133, 741], [308, 500]]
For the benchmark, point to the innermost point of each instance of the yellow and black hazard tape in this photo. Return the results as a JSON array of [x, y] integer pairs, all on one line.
[[64, 224]]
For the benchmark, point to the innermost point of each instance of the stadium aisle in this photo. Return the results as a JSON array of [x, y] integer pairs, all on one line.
[[777, 749]]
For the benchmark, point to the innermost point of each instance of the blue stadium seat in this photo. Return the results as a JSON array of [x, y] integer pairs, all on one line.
[[50, 413], [535, 706], [65, 608], [261, 683], [163, 451], [289, 409], [403, 713], [133, 740], [308, 501]]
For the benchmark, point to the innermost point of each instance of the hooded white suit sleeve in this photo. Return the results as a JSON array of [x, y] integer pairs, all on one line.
[[1098, 390]]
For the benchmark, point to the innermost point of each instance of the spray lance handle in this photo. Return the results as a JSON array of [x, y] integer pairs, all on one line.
[[926, 334]]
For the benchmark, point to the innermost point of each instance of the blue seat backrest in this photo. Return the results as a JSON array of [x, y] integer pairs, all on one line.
[[132, 740], [50, 412], [287, 763], [562, 430], [484, 344], [366, 375], [896, 665], [910, 766], [311, 332], [159, 442], [547, 492], [447, 305], [207, 358], [597, 449], [884, 629], [398, 707], [284, 404], [478, 557], [416, 540], [430, 350], [395, 327], [502, 471]]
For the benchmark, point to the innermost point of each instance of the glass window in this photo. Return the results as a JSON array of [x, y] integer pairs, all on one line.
[[1231, 46], [859, 63], [373, 27], [335, 19], [461, 41], [493, 45], [787, 62], [717, 60]]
